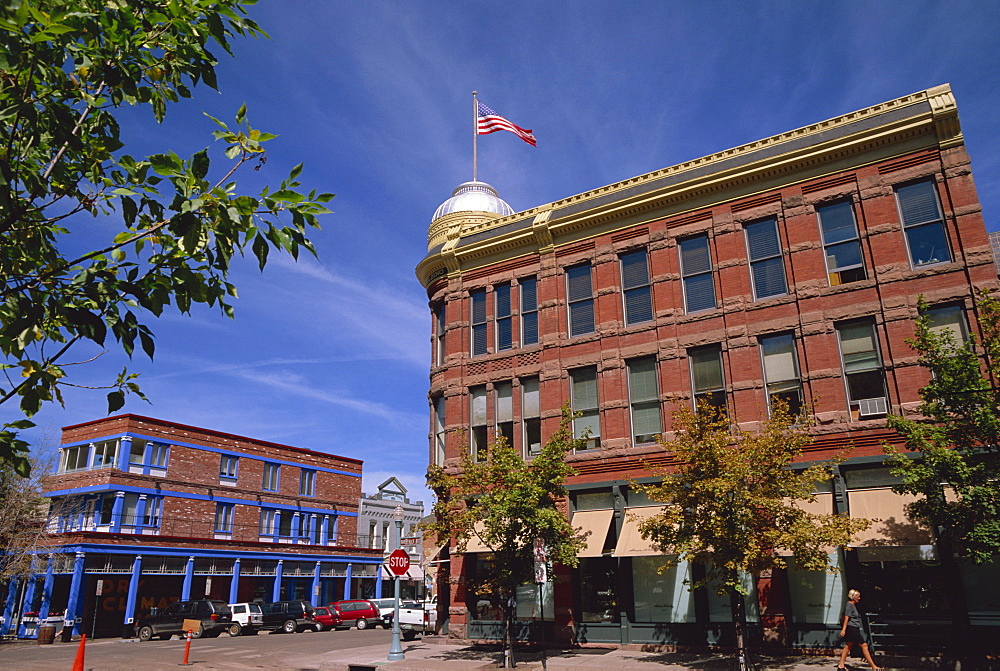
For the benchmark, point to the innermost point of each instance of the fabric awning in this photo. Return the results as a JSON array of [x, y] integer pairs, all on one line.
[[593, 526], [630, 542], [889, 507]]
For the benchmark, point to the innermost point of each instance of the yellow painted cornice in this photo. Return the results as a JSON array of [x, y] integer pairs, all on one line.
[[812, 151]]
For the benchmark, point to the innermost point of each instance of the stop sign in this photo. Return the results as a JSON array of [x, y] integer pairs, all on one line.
[[399, 562]]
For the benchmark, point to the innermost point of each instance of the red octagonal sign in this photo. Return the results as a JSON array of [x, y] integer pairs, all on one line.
[[399, 562]]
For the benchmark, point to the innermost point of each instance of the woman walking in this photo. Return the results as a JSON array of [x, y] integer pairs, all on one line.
[[850, 631]]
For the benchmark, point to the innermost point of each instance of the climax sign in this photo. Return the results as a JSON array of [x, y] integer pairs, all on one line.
[[399, 562]]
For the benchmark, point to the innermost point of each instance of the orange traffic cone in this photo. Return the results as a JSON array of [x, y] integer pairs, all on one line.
[[78, 662]]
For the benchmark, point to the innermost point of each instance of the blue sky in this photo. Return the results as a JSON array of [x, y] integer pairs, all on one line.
[[375, 98]]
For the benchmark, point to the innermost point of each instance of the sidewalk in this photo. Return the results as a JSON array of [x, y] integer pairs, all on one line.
[[432, 655]]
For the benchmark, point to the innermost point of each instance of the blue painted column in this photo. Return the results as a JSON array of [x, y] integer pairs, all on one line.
[[296, 527], [315, 584], [124, 452], [276, 591], [43, 607], [140, 512], [133, 591], [29, 598], [378, 583], [74, 603], [116, 512], [347, 582], [336, 522], [324, 533], [188, 577], [234, 584], [8, 610]]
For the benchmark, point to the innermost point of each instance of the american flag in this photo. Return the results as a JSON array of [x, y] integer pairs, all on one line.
[[489, 121]]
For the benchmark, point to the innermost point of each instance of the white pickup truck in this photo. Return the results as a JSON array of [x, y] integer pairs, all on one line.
[[415, 618]]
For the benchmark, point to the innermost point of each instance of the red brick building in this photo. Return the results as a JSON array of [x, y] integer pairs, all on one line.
[[145, 512], [787, 267]]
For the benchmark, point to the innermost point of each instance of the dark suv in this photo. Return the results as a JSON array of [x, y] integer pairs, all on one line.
[[213, 617], [288, 616]]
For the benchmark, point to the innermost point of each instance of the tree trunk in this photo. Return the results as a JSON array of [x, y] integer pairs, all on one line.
[[738, 607], [508, 633]]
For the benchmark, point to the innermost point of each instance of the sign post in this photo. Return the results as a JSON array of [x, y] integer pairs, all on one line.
[[399, 563]]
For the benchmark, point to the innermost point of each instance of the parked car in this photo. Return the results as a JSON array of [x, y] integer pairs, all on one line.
[[214, 617], [415, 618], [326, 618], [361, 612], [385, 610], [288, 616], [247, 618]]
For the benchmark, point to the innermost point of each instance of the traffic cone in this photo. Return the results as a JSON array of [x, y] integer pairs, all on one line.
[[78, 662]]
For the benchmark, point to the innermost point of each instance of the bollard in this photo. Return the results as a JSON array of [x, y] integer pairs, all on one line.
[[187, 650]]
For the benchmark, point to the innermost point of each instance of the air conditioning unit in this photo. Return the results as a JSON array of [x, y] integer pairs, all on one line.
[[868, 407]]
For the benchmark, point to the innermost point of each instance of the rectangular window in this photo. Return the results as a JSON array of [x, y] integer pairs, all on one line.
[[696, 270], [950, 320], [285, 523], [636, 290], [580, 299], [781, 372], [503, 394], [307, 482], [477, 422], [271, 474], [841, 246], [439, 328], [531, 416], [862, 368], [707, 378], [228, 466], [583, 399], [267, 520], [154, 506], [502, 314], [923, 224], [767, 269], [644, 399], [75, 458], [107, 509], [158, 454], [224, 518], [105, 454], [439, 434], [478, 299], [528, 289]]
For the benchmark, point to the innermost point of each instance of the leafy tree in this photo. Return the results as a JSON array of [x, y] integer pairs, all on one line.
[[731, 504], [508, 503], [67, 69], [956, 472]]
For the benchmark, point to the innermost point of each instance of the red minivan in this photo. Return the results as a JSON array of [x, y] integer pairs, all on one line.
[[361, 612]]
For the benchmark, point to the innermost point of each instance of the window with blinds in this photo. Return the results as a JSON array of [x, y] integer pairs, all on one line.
[[439, 435], [478, 423], [580, 299], [439, 328], [948, 321], [583, 400], [637, 293], [923, 224], [781, 372], [767, 269], [502, 314], [863, 374], [531, 416], [696, 271], [644, 399], [478, 300], [707, 378], [841, 245], [528, 289], [504, 410]]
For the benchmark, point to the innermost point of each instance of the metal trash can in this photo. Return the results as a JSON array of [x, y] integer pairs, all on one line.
[[46, 634]]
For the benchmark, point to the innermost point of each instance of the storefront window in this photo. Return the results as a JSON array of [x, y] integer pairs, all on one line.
[[527, 602], [598, 580], [908, 588], [817, 596], [661, 597], [719, 608], [982, 591]]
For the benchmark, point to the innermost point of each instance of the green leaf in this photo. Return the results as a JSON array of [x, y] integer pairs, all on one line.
[[116, 399], [199, 164]]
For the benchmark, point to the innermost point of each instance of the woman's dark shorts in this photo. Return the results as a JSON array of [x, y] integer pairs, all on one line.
[[854, 635]]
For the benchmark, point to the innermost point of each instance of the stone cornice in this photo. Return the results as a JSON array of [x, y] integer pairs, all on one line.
[[917, 121]]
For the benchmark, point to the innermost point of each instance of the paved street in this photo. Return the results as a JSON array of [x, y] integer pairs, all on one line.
[[365, 650]]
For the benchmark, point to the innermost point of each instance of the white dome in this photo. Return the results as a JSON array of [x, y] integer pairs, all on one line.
[[474, 197]]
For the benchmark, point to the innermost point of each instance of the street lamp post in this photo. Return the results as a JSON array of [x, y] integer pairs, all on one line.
[[396, 651]]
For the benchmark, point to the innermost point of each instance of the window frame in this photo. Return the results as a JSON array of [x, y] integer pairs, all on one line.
[[688, 276], [503, 317], [531, 418], [528, 310], [857, 405], [774, 388], [594, 441], [503, 418], [224, 513], [440, 326], [717, 396], [478, 323], [644, 402], [637, 287], [909, 228], [766, 258], [582, 305], [232, 473], [307, 482], [836, 276], [478, 430], [437, 427], [271, 476]]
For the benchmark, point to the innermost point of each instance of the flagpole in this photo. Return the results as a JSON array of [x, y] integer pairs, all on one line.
[[475, 134]]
